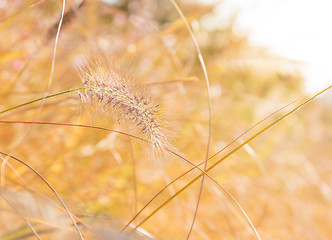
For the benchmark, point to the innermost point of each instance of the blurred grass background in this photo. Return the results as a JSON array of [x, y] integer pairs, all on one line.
[[281, 179]]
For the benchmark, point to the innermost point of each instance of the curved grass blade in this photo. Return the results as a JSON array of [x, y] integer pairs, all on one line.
[[233, 151], [50, 187]]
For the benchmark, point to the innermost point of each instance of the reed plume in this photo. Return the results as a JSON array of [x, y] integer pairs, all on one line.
[[106, 86]]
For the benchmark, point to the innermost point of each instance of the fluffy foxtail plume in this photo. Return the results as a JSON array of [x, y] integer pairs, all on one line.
[[106, 86]]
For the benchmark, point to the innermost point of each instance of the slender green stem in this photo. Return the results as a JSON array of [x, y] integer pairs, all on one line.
[[39, 99]]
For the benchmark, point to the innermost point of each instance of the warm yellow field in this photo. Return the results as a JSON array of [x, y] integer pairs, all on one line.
[[123, 111]]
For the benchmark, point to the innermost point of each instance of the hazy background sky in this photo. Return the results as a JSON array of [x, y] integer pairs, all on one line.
[[296, 29]]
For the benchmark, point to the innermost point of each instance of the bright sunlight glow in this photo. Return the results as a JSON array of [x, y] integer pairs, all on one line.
[[296, 29]]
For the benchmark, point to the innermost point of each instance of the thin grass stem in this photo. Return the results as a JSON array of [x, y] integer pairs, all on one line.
[[50, 187], [129, 135], [21, 11], [40, 99], [101, 128], [233, 151], [185, 173], [23, 218], [201, 60]]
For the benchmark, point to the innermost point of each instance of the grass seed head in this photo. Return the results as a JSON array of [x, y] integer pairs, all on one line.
[[107, 87]]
